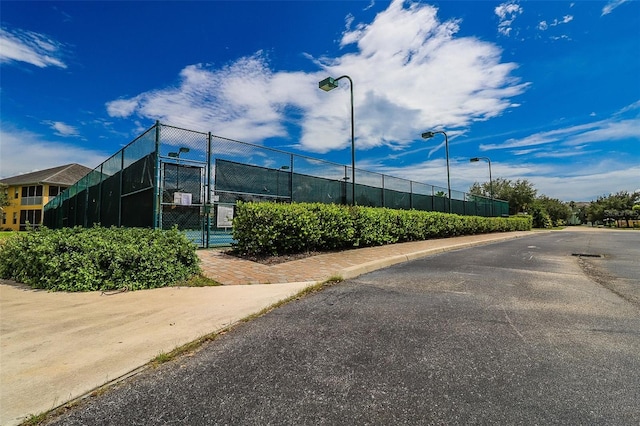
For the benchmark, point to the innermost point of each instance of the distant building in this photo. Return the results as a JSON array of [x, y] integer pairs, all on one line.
[[28, 193]]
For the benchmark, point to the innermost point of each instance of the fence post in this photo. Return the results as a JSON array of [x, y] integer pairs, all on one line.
[[291, 178], [207, 196], [120, 188], [157, 224]]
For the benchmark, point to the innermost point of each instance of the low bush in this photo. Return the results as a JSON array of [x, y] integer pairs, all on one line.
[[86, 259], [274, 229]]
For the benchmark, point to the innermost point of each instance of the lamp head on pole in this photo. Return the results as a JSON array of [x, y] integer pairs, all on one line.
[[183, 149], [428, 135], [474, 159], [173, 155], [327, 84]]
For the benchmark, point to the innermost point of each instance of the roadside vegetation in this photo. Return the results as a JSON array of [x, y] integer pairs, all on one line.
[[6, 234], [272, 229], [619, 209], [107, 259]]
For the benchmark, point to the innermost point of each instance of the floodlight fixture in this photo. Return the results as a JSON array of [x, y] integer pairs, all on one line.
[[328, 84]]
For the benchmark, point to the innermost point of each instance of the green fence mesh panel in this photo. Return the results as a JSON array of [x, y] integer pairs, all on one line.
[[177, 177]]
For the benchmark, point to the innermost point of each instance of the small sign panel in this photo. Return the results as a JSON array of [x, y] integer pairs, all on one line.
[[182, 198], [224, 216]]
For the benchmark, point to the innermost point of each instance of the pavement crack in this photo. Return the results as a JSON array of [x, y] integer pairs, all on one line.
[[603, 278], [515, 329]]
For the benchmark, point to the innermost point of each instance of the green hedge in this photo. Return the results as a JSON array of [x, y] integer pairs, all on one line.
[[273, 229], [85, 259]]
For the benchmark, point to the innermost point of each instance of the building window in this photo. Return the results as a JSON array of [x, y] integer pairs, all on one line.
[[4, 218], [54, 190], [31, 195], [16, 194], [15, 218], [31, 218]]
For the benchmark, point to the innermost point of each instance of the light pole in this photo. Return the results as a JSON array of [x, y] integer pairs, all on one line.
[[475, 160], [328, 84], [429, 135]]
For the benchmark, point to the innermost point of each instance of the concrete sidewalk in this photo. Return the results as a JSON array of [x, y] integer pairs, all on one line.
[[56, 347]]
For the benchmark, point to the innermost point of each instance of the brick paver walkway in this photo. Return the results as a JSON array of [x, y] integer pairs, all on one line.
[[231, 270]]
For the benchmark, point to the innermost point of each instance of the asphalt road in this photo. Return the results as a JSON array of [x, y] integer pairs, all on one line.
[[520, 332]]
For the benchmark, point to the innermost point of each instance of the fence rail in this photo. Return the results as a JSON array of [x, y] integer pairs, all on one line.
[[169, 176]]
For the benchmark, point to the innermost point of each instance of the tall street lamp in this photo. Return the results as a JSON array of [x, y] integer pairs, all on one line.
[[475, 160], [328, 84], [429, 135]]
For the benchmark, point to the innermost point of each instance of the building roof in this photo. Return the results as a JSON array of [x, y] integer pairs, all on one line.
[[65, 175]]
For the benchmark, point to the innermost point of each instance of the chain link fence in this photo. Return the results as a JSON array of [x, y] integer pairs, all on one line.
[[170, 176]]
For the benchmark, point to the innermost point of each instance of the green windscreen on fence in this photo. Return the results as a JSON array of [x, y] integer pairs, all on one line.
[[178, 177], [137, 193], [238, 181], [251, 182]]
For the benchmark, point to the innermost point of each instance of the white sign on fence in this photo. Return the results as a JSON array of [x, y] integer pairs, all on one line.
[[224, 216], [182, 198]]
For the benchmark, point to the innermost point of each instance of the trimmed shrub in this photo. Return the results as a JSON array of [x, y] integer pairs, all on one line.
[[335, 225], [273, 229], [87, 259]]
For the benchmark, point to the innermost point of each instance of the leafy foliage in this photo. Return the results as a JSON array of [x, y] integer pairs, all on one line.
[[520, 194], [618, 206], [86, 259], [557, 211], [546, 212], [540, 217], [4, 197], [274, 229]]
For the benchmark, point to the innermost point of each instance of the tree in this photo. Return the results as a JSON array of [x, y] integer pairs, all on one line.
[[4, 196], [540, 217], [520, 194], [618, 206], [558, 212]]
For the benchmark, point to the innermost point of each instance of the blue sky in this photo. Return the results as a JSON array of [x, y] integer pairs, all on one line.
[[548, 90]]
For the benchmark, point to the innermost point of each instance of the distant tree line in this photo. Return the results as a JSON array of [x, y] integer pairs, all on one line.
[[621, 206], [549, 212]]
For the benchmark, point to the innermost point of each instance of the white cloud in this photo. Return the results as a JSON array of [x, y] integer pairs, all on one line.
[[62, 129], [244, 100], [410, 73], [580, 179], [25, 152], [507, 13], [602, 131], [608, 8], [589, 184], [565, 20], [578, 182], [30, 47], [543, 25]]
